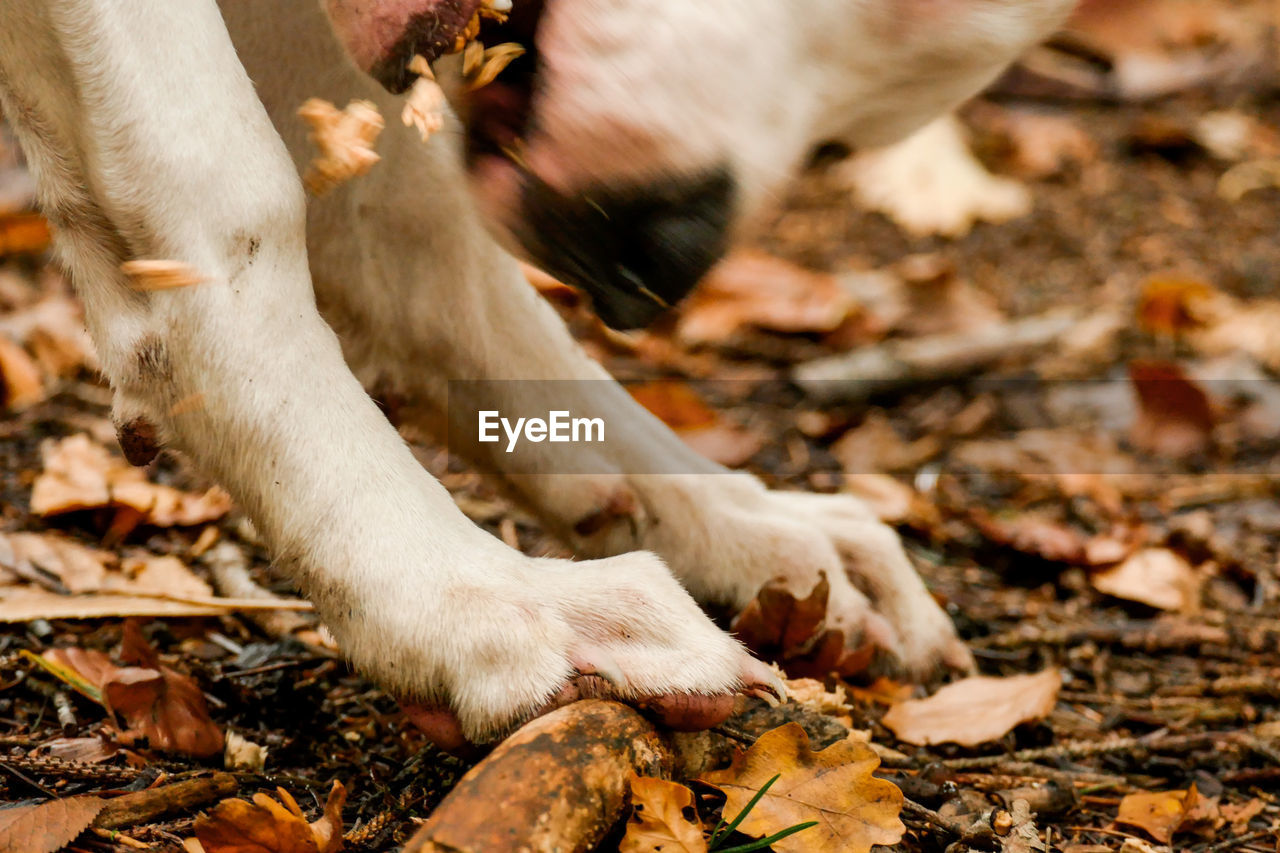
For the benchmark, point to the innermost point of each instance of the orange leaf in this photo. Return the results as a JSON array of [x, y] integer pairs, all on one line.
[[20, 381], [975, 710], [267, 826], [782, 626], [698, 425], [752, 289], [47, 827], [834, 787], [1175, 417], [1163, 813], [658, 821]]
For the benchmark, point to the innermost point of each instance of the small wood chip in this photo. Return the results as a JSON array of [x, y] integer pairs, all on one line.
[[153, 274]]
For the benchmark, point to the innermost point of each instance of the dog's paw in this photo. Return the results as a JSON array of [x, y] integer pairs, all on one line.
[[728, 537], [476, 653]]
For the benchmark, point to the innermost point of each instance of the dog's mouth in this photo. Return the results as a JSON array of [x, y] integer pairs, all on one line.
[[498, 102]]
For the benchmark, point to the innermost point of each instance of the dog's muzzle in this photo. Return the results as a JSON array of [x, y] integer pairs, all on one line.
[[636, 251]]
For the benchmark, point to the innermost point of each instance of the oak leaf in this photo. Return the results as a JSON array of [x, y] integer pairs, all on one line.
[[269, 826], [46, 827], [835, 787], [975, 710], [658, 821]]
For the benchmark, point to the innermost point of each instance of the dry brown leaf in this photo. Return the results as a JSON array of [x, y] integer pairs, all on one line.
[[75, 567], [87, 750], [79, 474], [1162, 814], [781, 625], [659, 821], [940, 301], [1242, 326], [750, 289], [698, 425], [344, 140], [834, 787], [891, 501], [874, 446], [1172, 306], [930, 183], [1155, 576], [156, 274], [976, 710], [267, 826], [1041, 145], [47, 827], [20, 382], [1033, 533], [53, 331], [1175, 416], [156, 702]]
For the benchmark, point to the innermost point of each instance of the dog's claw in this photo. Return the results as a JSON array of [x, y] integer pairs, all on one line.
[[760, 679], [591, 660]]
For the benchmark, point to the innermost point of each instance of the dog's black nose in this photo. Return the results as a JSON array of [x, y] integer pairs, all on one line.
[[636, 251]]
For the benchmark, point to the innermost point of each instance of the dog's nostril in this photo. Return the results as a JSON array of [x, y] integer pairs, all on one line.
[[636, 251]]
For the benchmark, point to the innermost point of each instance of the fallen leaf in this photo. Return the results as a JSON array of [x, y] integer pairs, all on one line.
[[930, 183], [155, 702], [780, 625], [47, 827], [1172, 306], [874, 446], [267, 826], [1175, 417], [659, 821], [834, 787], [79, 475], [1041, 145], [1033, 533], [1155, 576], [975, 710], [53, 331], [1156, 47], [750, 289], [21, 385], [1162, 814], [698, 425], [87, 750], [890, 500], [941, 301]]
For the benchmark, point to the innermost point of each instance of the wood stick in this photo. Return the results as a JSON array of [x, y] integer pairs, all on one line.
[[898, 364], [560, 782], [146, 806], [557, 784]]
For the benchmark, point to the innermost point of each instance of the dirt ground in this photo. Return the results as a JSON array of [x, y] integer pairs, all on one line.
[[1021, 502]]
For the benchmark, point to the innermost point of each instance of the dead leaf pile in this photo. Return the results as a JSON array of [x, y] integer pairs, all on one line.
[[79, 474]]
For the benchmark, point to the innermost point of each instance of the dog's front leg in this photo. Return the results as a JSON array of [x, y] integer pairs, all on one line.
[[148, 143]]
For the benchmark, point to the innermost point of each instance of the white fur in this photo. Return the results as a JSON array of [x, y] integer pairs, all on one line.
[[148, 141]]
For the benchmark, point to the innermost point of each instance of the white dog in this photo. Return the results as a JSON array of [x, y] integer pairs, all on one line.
[[622, 154]]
